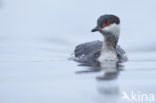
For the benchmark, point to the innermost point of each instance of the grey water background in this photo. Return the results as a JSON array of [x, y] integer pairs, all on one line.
[[38, 36]]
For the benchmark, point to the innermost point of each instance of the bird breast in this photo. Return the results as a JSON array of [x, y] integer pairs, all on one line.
[[107, 55]]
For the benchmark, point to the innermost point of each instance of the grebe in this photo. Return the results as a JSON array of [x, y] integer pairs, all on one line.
[[98, 52]]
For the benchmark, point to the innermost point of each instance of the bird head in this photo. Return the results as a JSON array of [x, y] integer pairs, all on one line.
[[108, 25]]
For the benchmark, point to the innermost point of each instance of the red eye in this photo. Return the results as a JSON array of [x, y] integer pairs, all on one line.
[[107, 24]]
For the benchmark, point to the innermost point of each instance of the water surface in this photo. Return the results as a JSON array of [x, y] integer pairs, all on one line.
[[38, 37]]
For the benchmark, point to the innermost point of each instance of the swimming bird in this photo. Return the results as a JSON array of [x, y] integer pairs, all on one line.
[[98, 52]]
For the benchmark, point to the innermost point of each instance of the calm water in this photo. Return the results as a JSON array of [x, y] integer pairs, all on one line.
[[38, 37], [32, 71]]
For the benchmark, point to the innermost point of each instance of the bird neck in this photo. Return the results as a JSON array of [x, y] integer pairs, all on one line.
[[111, 35], [108, 50], [110, 41]]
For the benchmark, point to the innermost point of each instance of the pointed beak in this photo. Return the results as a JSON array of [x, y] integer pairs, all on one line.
[[95, 29]]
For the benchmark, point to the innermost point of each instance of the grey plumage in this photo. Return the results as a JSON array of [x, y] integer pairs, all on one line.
[[107, 18], [95, 53], [86, 53]]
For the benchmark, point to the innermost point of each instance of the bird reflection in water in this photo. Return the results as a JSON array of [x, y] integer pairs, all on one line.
[[107, 85], [109, 69]]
